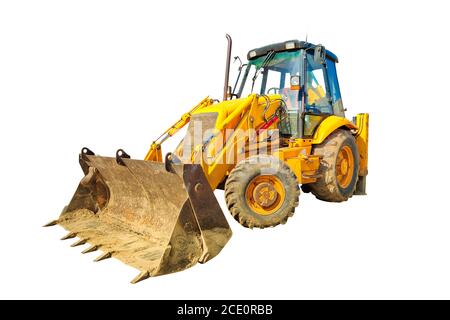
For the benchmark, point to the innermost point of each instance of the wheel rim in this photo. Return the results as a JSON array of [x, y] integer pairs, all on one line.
[[345, 165], [265, 194]]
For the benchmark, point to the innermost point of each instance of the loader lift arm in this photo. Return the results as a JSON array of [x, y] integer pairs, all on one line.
[[154, 153]]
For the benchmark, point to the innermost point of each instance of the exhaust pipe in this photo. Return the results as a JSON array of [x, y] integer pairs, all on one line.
[[227, 68]]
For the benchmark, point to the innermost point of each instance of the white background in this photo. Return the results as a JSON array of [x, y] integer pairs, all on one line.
[[110, 74]]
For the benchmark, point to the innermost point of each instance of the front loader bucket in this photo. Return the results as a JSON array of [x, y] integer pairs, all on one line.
[[159, 218]]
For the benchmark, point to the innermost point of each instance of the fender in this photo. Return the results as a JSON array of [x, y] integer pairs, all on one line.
[[329, 125]]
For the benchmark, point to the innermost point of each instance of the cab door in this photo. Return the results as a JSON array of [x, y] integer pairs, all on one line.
[[317, 98]]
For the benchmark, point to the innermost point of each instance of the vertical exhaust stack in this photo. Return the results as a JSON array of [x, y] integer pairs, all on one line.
[[227, 68]]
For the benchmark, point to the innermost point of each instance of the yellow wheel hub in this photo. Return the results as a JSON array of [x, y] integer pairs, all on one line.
[[345, 165], [265, 194]]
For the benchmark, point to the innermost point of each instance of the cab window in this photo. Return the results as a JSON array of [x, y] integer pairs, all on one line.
[[335, 92], [317, 95]]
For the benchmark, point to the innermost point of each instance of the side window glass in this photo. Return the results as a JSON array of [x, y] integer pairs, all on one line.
[[316, 92], [248, 84], [338, 107], [273, 82], [318, 82], [311, 124]]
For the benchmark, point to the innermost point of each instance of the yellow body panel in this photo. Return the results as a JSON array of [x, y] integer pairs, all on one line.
[[298, 157], [329, 125], [362, 142], [232, 110], [222, 161], [225, 148]]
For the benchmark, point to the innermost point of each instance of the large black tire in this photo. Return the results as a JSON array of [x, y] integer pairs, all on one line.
[[327, 186], [239, 180]]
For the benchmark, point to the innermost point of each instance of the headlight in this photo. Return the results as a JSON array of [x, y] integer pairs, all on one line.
[[290, 45]]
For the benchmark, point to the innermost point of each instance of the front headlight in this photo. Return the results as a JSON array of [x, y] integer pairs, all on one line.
[[290, 45]]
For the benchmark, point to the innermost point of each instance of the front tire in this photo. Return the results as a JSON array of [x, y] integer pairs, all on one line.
[[261, 191]]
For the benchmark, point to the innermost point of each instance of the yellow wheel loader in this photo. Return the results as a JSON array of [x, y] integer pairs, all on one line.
[[281, 126]]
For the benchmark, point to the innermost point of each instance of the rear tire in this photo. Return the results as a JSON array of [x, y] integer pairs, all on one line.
[[262, 191], [338, 167]]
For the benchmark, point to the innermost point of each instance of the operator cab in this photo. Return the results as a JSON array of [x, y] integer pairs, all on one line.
[[303, 74]]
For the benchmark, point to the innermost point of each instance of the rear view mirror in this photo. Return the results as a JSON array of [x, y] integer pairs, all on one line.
[[319, 54]]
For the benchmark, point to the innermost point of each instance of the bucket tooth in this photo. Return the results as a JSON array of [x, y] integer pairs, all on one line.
[[141, 276], [51, 223], [90, 249], [104, 256], [70, 235], [79, 243]]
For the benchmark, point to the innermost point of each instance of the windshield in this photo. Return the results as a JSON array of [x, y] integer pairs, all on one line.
[[270, 74]]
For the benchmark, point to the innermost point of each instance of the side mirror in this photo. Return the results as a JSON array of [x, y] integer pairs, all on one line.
[[319, 54]]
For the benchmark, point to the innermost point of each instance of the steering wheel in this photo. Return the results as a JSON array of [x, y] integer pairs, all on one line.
[[275, 89]]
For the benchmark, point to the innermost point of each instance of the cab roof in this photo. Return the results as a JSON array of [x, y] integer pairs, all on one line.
[[289, 45]]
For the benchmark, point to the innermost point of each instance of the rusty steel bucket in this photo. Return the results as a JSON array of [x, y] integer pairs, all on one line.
[[157, 217]]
